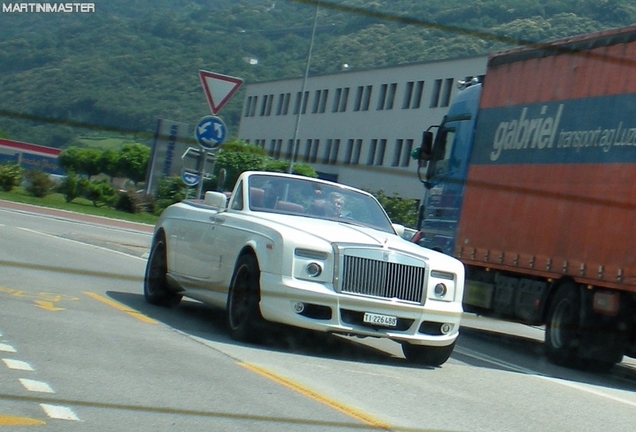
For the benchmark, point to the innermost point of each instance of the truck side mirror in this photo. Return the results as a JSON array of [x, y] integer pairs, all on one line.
[[426, 149]]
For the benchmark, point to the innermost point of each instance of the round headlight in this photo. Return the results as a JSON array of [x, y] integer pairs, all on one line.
[[440, 290], [313, 269]]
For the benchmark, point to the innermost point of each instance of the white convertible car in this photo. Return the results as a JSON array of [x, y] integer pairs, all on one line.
[[311, 254]]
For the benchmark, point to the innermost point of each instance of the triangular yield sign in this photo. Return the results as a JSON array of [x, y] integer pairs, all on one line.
[[218, 88]]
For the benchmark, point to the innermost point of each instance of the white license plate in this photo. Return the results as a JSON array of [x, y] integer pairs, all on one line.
[[381, 320]]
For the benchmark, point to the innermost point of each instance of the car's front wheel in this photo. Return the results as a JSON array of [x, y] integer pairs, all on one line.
[[427, 355], [156, 289], [244, 317]]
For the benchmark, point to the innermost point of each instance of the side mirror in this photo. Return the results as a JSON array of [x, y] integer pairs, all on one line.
[[215, 199], [398, 228], [426, 149]]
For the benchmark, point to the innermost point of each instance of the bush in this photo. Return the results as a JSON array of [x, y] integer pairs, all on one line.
[[135, 202], [70, 187], [170, 190], [101, 193], [39, 183], [10, 176]]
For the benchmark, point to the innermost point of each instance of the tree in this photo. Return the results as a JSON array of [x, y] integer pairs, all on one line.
[[133, 161], [10, 176], [79, 160], [283, 166], [39, 183], [400, 210]]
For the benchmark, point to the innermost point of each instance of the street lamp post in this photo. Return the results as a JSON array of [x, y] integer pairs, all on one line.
[[302, 93]]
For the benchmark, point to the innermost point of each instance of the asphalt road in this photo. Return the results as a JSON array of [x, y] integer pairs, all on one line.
[[81, 350]]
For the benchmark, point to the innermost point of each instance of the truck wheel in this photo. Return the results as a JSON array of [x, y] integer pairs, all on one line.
[[562, 326], [427, 355], [156, 289], [244, 317]]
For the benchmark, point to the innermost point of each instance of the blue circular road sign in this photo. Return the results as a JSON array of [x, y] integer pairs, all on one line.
[[210, 132], [189, 178]]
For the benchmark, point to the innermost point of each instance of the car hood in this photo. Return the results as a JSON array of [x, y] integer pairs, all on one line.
[[331, 231]]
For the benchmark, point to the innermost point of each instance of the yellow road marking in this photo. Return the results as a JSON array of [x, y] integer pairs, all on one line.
[[121, 307], [47, 305], [6, 420], [358, 415]]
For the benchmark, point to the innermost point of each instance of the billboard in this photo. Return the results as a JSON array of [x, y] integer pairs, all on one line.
[[172, 139]]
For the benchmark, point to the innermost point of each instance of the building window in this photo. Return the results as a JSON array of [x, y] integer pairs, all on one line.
[[344, 99], [272, 147], [336, 100], [253, 109], [286, 104], [323, 101], [279, 105], [408, 95], [301, 101], [397, 152], [372, 149], [390, 98], [325, 155], [417, 98], [335, 149], [278, 148], [316, 101], [437, 89], [264, 105], [406, 153], [248, 105], [358, 101], [379, 157], [348, 152], [357, 148], [313, 155], [290, 149], [307, 151], [270, 103], [382, 97], [366, 98], [446, 94]]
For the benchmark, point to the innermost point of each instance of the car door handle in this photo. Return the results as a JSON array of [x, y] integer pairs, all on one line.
[[217, 219]]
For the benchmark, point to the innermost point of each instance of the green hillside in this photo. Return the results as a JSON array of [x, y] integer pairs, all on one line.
[[118, 70]]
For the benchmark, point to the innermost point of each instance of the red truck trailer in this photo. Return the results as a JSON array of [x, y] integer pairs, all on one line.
[[531, 182]]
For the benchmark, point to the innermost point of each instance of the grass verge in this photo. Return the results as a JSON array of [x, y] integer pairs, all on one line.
[[79, 205]]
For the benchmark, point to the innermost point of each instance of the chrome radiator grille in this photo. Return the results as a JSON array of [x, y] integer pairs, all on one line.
[[382, 279]]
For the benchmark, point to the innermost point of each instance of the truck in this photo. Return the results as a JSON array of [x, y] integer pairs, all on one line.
[[530, 181]]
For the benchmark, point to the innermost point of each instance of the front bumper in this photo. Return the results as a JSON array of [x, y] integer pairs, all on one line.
[[434, 324]]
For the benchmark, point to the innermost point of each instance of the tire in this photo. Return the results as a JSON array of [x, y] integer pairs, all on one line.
[[156, 288], [563, 327], [427, 355], [244, 318]]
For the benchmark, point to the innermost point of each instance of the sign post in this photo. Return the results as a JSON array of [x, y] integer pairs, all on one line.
[[210, 132]]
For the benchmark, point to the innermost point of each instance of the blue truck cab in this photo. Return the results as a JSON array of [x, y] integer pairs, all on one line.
[[446, 169]]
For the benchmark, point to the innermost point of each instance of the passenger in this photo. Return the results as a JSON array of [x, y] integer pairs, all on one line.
[[335, 203]]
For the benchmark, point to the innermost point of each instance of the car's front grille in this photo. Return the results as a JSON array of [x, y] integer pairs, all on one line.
[[384, 279]]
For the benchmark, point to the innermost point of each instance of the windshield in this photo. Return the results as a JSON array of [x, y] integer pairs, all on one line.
[[315, 199]]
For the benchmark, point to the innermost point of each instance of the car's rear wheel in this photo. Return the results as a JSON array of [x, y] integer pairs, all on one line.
[[156, 288], [427, 355], [244, 317]]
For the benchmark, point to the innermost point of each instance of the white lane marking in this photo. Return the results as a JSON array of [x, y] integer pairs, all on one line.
[[589, 388], [59, 412], [493, 360], [17, 364], [36, 386], [6, 348], [82, 243]]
